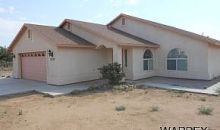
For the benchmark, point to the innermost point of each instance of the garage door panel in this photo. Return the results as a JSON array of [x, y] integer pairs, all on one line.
[[33, 66]]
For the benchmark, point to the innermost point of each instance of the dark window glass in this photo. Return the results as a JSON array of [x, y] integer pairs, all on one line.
[[171, 64], [29, 34], [148, 54], [145, 64], [126, 58], [182, 64], [68, 26], [123, 21]]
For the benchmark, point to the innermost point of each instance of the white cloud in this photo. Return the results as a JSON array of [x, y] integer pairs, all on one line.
[[2, 10], [10, 9], [118, 3], [98, 16], [9, 28], [132, 2], [7, 25]]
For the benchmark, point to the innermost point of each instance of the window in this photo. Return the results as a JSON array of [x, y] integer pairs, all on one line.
[[123, 21], [29, 34], [126, 58], [177, 60], [148, 60], [68, 26]]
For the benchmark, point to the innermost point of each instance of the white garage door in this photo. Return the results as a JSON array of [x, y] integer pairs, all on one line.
[[33, 66]]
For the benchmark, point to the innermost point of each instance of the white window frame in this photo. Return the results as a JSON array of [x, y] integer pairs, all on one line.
[[148, 63], [176, 59]]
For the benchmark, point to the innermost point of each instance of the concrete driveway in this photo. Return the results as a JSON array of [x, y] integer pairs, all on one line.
[[195, 86], [10, 86]]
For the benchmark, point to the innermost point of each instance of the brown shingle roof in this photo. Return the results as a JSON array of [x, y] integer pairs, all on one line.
[[111, 34], [170, 28], [131, 36], [58, 36]]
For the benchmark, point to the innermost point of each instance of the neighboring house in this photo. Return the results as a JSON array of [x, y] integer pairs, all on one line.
[[74, 50]]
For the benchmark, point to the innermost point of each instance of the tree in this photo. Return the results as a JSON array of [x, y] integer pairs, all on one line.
[[5, 56]]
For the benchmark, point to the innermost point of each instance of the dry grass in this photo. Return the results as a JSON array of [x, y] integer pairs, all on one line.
[[97, 111]]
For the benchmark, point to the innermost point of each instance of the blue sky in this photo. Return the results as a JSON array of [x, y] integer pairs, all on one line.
[[199, 16]]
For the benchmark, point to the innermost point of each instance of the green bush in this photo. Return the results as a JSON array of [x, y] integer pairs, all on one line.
[[154, 108], [203, 99], [205, 110], [124, 87], [100, 87], [218, 90], [120, 108], [112, 72], [20, 112]]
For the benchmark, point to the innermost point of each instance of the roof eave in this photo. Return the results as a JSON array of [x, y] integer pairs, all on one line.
[[11, 46], [74, 46], [139, 45], [116, 18]]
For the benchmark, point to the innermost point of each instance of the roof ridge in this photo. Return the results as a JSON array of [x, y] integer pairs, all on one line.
[[84, 22], [168, 27], [30, 24]]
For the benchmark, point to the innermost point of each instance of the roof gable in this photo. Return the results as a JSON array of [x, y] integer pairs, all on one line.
[[55, 36], [116, 37], [169, 28]]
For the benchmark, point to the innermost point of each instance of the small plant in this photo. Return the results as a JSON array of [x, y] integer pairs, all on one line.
[[179, 95], [112, 72], [179, 91], [100, 87], [218, 90], [48, 95], [154, 109], [120, 108], [205, 110], [203, 99], [125, 87], [20, 112]]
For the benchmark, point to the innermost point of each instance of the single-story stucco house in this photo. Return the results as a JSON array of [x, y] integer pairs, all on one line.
[[74, 50]]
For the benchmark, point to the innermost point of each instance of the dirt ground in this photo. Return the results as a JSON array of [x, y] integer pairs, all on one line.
[[5, 72], [96, 111]]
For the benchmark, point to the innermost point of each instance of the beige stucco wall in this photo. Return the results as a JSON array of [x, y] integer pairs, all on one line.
[[97, 40], [214, 61], [37, 43], [129, 69], [138, 70], [197, 51], [78, 64]]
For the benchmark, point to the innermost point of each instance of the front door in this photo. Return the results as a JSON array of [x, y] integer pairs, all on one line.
[[125, 62]]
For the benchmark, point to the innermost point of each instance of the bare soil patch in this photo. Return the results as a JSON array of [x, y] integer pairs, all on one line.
[[147, 109], [5, 72]]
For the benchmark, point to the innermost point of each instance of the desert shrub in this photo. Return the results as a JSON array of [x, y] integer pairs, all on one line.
[[179, 91], [218, 90], [100, 87], [20, 112], [112, 72], [203, 99], [48, 95], [154, 108], [76, 92], [120, 108], [205, 110], [124, 87]]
